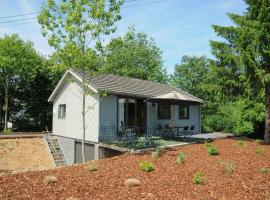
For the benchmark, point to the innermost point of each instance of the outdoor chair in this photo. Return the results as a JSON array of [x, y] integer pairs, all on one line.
[[191, 130], [184, 131], [167, 131]]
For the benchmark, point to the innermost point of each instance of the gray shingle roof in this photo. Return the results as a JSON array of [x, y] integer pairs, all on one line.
[[133, 87]]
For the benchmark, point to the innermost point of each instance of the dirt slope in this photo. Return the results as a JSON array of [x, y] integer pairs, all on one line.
[[168, 181], [24, 154]]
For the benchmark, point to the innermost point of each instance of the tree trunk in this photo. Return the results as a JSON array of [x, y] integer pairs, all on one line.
[[6, 106], [83, 118], [267, 114]]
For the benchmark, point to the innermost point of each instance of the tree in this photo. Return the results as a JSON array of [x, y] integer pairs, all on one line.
[[18, 61], [192, 74], [246, 52], [79, 24], [134, 55], [70, 56]]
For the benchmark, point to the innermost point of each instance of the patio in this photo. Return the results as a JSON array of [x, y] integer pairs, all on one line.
[[154, 137]]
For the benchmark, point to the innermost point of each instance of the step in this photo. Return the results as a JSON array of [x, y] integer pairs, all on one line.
[[56, 151]]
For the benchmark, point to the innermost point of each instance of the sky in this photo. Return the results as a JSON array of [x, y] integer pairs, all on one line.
[[179, 27]]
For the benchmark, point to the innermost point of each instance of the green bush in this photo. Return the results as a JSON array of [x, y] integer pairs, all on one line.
[[264, 170], [239, 117], [7, 131], [241, 143], [92, 167], [181, 158], [211, 149], [260, 151], [197, 179], [229, 168], [156, 153], [147, 166]]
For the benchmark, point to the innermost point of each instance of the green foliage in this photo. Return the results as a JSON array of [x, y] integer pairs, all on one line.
[[264, 170], [19, 65], [259, 141], [211, 149], [260, 151], [147, 166], [72, 26], [235, 117], [7, 131], [240, 143], [229, 168], [156, 153], [134, 55], [92, 167], [243, 58], [197, 179], [181, 158], [192, 75]]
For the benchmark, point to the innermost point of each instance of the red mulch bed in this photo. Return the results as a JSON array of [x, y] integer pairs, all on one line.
[[168, 181]]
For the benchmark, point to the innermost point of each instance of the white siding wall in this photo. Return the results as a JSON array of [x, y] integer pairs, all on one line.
[[71, 95], [194, 117]]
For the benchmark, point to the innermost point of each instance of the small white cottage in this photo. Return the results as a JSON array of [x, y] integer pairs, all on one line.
[[130, 103]]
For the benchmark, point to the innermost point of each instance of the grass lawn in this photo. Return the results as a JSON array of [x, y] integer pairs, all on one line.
[[240, 170]]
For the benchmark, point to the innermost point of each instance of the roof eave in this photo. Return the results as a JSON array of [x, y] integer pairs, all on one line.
[[61, 82]]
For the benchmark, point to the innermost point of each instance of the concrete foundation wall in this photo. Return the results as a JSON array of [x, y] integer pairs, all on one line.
[[68, 147]]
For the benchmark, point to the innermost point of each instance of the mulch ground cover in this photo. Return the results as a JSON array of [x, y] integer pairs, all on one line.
[[168, 181]]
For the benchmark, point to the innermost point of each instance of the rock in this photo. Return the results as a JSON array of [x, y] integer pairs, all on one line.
[[132, 182]]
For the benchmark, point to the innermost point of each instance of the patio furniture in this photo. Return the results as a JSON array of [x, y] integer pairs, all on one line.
[[184, 131], [191, 130]]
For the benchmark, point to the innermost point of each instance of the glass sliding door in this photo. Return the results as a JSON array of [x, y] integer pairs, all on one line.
[[131, 113]]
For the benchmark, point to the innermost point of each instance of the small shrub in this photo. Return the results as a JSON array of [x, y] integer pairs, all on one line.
[[259, 141], [197, 179], [147, 166], [206, 144], [229, 168], [132, 182], [92, 167], [260, 151], [49, 180], [181, 158], [241, 143], [156, 153], [264, 170], [212, 150]]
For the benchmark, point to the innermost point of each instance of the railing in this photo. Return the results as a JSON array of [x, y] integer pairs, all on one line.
[[109, 133]]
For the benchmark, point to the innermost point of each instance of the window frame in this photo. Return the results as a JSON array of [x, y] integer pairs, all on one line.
[[188, 115], [159, 114], [60, 116]]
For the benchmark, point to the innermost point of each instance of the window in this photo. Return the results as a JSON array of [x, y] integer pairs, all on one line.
[[164, 111], [183, 112], [62, 111]]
